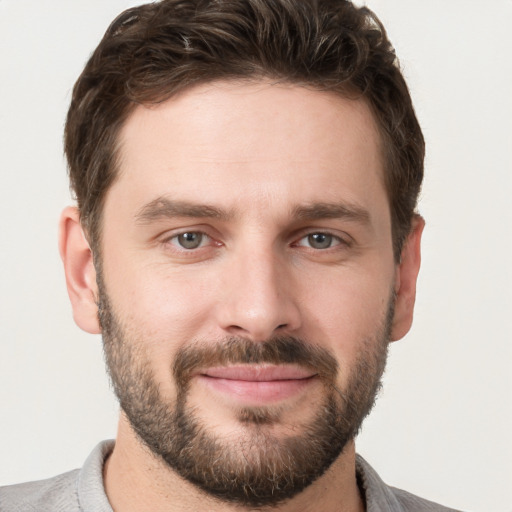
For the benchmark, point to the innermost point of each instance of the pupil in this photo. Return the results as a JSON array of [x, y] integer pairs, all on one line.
[[190, 240], [320, 240]]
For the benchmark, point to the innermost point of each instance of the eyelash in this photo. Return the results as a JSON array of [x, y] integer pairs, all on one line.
[[334, 241]]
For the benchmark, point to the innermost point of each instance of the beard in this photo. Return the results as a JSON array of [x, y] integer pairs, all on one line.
[[255, 467]]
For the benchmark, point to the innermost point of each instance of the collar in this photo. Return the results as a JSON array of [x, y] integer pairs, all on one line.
[[377, 495]]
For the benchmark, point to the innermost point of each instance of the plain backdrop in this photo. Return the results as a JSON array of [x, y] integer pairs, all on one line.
[[442, 427]]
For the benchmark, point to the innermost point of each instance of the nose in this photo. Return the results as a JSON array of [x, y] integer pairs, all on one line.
[[259, 299]]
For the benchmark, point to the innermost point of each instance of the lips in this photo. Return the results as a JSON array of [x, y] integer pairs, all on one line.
[[257, 384], [260, 373]]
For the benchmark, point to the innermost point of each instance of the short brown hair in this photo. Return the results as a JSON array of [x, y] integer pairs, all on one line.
[[153, 51]]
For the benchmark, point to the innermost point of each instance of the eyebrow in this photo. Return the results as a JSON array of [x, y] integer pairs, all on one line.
[[318, 211], [163, 208]]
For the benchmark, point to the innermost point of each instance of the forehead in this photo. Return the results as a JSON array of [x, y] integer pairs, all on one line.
[[240, 144]]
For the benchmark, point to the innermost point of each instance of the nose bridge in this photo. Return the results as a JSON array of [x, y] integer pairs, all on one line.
[[259, 301]]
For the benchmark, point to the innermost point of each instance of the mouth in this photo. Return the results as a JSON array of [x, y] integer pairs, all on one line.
[[257, 384]]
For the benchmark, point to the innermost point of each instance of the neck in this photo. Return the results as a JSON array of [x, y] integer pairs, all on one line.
[[135, 479]]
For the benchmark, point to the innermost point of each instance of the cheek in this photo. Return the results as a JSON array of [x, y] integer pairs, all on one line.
[[347, 310], [171, 302], [162, 314], [164, 309]]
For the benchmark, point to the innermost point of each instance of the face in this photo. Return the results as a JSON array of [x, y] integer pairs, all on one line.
[[247, 283]]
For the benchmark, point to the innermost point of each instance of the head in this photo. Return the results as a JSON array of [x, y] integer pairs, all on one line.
[[152, 52], [246, 176]]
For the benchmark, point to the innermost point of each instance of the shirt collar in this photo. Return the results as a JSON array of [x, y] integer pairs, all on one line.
[[378, 496], [90, 489]]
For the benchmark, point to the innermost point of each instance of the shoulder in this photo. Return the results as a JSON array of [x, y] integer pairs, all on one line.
[[57, 494], [410, 502], [75, 491], [383, 498]]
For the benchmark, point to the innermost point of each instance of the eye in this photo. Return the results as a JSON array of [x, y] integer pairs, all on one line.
[[319, 241], [190, 240]]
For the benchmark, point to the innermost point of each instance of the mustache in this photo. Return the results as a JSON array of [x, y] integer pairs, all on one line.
[[237, 350]]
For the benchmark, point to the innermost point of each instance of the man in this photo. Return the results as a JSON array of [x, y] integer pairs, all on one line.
[[246, 242]]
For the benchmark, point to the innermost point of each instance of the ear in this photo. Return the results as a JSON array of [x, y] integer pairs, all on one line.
[[79, 269], [405, 281]]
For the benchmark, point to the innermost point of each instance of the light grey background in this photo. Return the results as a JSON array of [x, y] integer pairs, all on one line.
[[442, 426]]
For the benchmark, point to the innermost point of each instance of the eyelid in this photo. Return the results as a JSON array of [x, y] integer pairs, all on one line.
[[342, 239]]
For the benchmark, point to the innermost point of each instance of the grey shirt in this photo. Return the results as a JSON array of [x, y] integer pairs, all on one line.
[[82, 490]]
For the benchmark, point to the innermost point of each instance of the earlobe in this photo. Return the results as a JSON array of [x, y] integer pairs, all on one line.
[[79, 269], [405, 281]]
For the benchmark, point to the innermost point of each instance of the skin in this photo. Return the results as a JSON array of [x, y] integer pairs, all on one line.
[[256, 152]]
